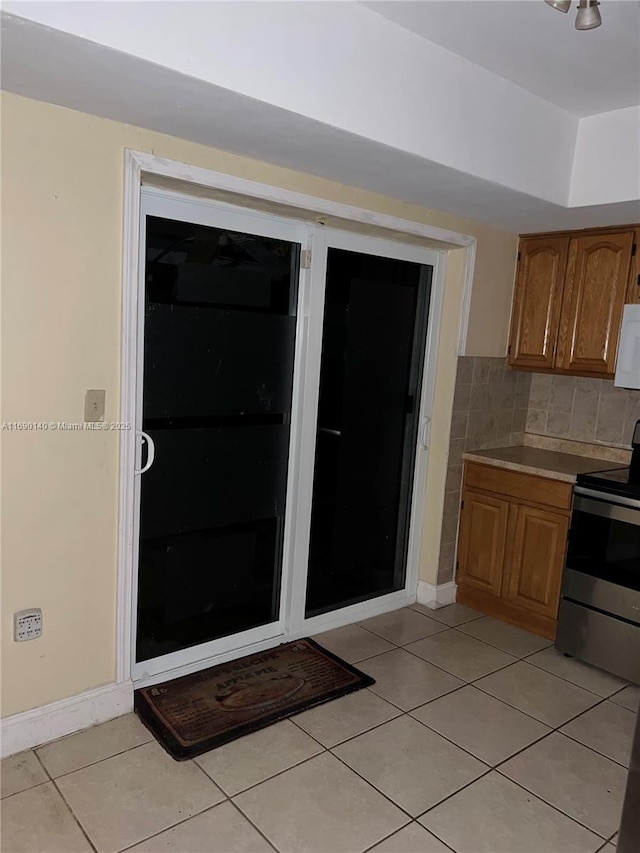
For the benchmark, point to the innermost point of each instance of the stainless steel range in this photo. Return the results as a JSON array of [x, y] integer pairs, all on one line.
[[599, 616]]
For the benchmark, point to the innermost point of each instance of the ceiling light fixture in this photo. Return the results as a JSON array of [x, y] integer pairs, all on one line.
[[560, 5], [588, 17]]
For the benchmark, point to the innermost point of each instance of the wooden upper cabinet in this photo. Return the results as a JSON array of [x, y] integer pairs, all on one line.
[[569, 295], [482, 538], [594, 295], [536, 559], [537, 301]]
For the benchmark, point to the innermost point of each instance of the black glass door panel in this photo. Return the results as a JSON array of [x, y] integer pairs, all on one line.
[[232, 474], [218, 374], [373, 343], [236, 362]]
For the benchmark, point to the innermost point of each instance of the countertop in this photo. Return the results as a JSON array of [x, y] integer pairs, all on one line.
[[543, 463]]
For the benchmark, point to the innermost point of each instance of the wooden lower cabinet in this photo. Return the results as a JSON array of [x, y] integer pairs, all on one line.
[[482, 542], [536, 559], [511, 551]]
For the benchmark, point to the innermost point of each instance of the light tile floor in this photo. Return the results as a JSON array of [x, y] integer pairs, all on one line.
[[477, 737]]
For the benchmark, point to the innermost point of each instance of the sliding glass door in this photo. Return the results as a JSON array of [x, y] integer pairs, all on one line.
[[372, 360], [220, 319], [279, 411]]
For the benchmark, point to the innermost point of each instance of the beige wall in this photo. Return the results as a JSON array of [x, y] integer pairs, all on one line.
[[62, 175]]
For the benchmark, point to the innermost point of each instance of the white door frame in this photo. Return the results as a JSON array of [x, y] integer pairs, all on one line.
[[299, 209]]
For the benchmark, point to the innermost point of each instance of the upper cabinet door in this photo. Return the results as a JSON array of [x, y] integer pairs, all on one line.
[[537, 301], [594, 295]]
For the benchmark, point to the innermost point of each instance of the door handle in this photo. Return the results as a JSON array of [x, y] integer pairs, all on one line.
[[151, 451], [425, 432]]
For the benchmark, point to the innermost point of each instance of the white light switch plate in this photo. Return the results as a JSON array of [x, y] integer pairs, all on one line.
[[27, 624], [94, 406]]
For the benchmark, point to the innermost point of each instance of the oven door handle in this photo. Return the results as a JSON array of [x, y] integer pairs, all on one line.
[[615, 512]]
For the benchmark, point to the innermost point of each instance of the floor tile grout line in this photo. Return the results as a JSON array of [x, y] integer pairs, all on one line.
[[351, 737], [525, 659], [628, 684], [371, 785], [396, 831], [31, 787], [195, 815], [484, 761], [516, 659], [526, 790], [436, 609], [419, 817], [560, 726], [206, 775], [513, 707], [173, 825], [442, 627], [355, 772], [593, 749], [362, 622], [139, 841], [553, 805], [152, 739], [75, 817], [442, 669], [25, 790], [517, 655], [562, 678], [472, 684], [544, 722], [268, 778], [254, 825], [42, 764], [562, 734], [428, 702], [460, 629], [337, 757], [408, 714]]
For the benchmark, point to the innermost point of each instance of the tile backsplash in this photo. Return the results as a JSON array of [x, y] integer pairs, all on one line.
[[592, 410], [489, 410], [494, 406]]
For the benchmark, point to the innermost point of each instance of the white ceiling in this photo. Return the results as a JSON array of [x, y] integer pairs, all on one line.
[[478, 146], [537, 47]]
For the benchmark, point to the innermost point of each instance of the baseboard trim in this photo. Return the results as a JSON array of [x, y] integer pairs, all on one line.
[[49, 722], [433, 596]]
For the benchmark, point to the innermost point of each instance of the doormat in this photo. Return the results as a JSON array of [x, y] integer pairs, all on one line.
[[198, 712]]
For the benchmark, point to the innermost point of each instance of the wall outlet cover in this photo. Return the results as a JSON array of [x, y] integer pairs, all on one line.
[[27, 624]]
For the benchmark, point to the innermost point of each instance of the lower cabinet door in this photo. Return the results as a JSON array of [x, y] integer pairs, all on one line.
[[482, 542], [535, 561]]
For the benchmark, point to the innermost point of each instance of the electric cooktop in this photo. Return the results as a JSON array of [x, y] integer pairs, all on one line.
[[616, 481]]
